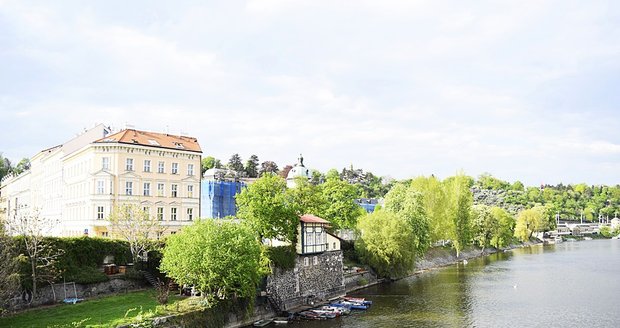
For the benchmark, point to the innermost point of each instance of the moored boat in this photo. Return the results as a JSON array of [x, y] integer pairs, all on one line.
[[262, 323], [358, 300]]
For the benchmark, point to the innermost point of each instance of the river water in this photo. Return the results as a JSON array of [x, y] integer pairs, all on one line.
[[572, 284]]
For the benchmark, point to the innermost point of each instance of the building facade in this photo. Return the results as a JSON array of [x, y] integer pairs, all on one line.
[[80, 182]]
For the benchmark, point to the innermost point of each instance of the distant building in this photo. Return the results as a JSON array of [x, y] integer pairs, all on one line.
[[79, 182], [218, 190], [368, 204], [615, 223], [298, 171]]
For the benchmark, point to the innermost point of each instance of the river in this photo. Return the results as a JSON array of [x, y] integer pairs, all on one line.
[[572, 284]]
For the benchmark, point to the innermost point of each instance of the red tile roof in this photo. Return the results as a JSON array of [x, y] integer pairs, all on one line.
[[309, 218], [153, 139]]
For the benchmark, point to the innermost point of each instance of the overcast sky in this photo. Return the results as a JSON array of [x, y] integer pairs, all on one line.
[[525, 90]]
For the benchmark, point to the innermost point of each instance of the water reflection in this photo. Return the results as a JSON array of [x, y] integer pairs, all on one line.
[[569, 284]]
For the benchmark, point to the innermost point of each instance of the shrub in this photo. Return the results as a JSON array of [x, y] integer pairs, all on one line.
[[362, 282], [86, 275], [282, 257]]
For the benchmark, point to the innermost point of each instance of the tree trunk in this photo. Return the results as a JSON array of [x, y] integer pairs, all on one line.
[[33, 266]]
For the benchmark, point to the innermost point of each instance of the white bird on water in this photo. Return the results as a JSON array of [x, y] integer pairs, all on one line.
[[464, 261], [515, 286]]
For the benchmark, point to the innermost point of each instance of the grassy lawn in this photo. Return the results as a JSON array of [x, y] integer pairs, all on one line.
[[102, 312]]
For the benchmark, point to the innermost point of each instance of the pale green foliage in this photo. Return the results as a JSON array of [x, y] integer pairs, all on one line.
[[605, 231], [460, 200], [267, 209], [483, 225], [385, 243], [9, 270], [341, 209], [530, 221], [505, 229], [407, 203], [491, 226], [221, 259], [435, 205]]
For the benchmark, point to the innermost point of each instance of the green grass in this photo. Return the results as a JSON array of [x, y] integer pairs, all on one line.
[[108, 311]]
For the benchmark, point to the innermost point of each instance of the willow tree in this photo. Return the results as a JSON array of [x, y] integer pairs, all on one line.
[[407, 202], [221, 259], [385, 243], [460, 200], [434, 202], [531, 221]]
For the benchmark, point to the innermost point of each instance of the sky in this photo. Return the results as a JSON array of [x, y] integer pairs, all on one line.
[[524, 90]]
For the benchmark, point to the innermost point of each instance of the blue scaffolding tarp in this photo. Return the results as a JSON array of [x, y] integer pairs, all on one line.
[[218, 198]]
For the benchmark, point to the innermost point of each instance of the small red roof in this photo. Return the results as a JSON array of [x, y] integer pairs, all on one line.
[[309, 218]]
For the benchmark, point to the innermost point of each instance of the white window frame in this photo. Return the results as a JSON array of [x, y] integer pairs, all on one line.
[[190, 191], [190, 214], [190, 169], [147, 165], [105, 163], [174, 169], [129, 164], [128, 188], [173, 214], [174, 190], [160, 214], [100, 212], [146, 187], [161, 167], [161, 187], [100, 187]]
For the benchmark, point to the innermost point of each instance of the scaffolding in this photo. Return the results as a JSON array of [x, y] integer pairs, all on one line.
[[218, 198]]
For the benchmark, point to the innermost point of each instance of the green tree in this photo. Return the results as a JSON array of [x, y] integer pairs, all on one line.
[[408, 203], [222, 259], [483, 225], [341, 209], [529, 222], [385, 243], [5, 166], [460, 200], [332, 174], [210, 162], [267, 209], [22, 166], [434, 202], [235, 163], [518, 186], [306, 198], [251, 167], [487, 181], [268, 167], [504, 232], [9, 270]]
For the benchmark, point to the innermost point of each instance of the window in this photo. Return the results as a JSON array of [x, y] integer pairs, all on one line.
[[160, 213], [128, 188], [105, 163], [190, 214], [147, 189], [100, 187], [104, 234], [306, 261], [129, 164], [146, 211], [315, 260], [160, 167], [173, 232], [190, 191], [173, 214], [147, 165], [175, 168], [99, 212], [159, 234], [173, 189], [334, 246], [160, 189], [190, 169]]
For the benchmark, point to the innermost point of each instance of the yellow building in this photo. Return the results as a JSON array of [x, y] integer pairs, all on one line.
[[90, 175]]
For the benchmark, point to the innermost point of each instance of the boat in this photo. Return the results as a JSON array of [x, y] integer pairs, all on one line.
[[310, 315], [262, 323], [587, 238], [337, 310], [281, 320], [358, 300], [325, 314], [351, 305]]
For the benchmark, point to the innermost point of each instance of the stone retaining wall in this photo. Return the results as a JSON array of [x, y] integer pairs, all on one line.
[[315, 278]]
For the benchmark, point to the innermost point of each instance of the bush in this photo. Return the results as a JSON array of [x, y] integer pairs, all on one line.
[[362, 282], [134, 275], [282, 257], [86, 275]]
